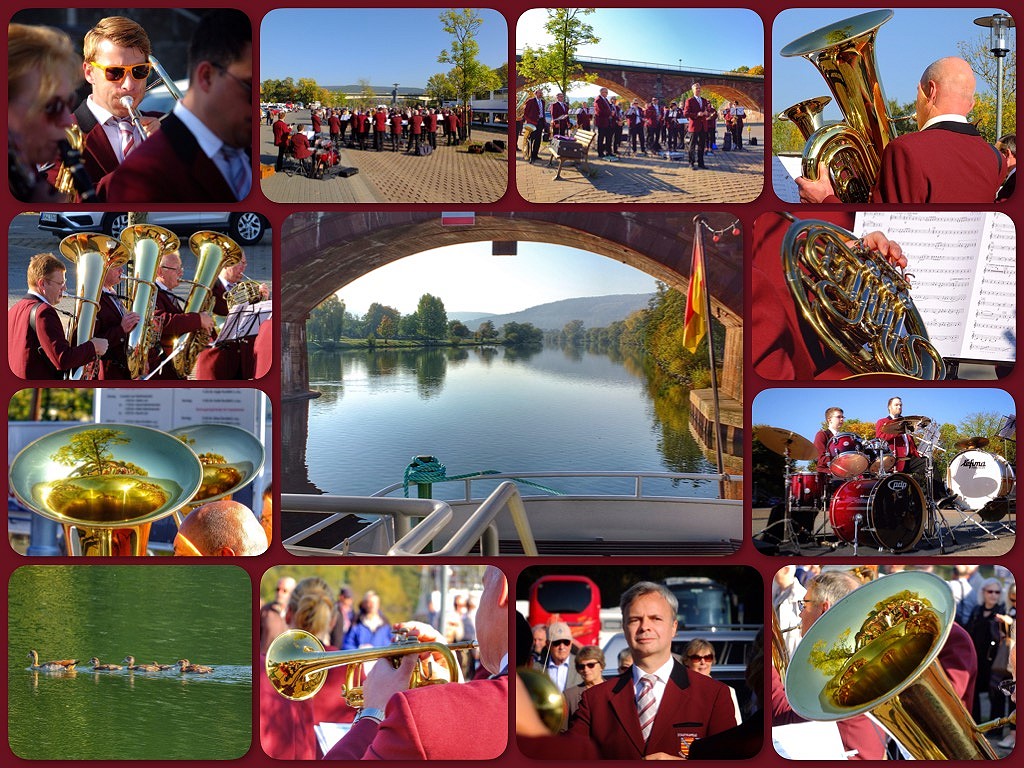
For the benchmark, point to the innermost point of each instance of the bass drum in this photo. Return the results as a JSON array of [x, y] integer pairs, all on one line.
[[979, 477], [892, 511]]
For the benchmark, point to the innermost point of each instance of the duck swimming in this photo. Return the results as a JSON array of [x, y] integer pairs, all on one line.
[[98, 667], [199, 669], [164, 666], [61, 665], [130, 661]]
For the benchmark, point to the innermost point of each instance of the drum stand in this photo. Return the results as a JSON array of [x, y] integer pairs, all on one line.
[[788, 533], [936, 522]]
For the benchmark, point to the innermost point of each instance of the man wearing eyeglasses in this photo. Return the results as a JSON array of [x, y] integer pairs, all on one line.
[[116, 64], [170, 316], [559, 665], [656, 708], [202, 153], [36, 344]]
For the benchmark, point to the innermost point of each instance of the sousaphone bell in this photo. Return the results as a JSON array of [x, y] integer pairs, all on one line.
[[106, 484]]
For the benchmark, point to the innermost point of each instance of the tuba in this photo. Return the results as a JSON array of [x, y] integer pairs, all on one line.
[[214, 251], [849, 151], [92, 254], [876, 651], [297, 664], [106, 484], [148, 243], [857, 303], [806, 114]]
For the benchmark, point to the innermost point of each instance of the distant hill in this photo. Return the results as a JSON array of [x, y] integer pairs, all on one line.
[[473, 316], [594, 311]]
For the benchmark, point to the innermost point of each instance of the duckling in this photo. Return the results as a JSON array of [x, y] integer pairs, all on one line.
[[130, 661], [59, 665], [199, 669], [96, 666]]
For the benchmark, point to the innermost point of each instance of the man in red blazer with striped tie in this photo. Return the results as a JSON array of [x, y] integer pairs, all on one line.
[[400, 724], [657, 708]]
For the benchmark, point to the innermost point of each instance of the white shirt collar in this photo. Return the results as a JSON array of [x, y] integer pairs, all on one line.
[[207, 139], [944, 119], [102, 114], [39, 296], [663, 673]]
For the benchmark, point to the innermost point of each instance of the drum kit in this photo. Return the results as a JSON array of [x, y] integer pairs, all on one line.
[[866, 501]]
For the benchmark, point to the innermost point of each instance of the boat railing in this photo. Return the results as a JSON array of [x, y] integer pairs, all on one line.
[[395, 518], [637, 477]]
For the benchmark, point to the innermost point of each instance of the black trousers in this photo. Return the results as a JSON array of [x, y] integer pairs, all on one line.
[[604, 141], [697, 146]]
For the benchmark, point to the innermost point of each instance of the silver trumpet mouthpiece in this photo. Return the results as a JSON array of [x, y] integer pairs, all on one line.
[[127, 102]]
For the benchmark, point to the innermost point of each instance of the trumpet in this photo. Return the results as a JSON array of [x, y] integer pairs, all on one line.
[[297, 664]]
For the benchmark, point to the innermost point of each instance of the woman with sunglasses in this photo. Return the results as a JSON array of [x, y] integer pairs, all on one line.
[[42, 72], [699, 657], [590, 666], [983, 627]]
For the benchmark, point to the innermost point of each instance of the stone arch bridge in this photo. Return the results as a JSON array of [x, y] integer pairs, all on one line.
[[322, 252], [643, 81]]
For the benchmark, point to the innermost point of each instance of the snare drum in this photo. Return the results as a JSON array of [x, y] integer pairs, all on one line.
[[806, 490], [978, 477], [892, 511], [846, 455], [880, 456]]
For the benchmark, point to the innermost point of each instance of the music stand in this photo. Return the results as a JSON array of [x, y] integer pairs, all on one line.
[[244, 320]]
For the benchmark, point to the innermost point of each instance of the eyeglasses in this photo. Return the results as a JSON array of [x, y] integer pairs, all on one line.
[[800, 604], [54, 108], [115, 73], [61, 284], [1007, 687], [246, 84], [993, 591], [586, 665], [697, 657], [174, 269], [561, 642]]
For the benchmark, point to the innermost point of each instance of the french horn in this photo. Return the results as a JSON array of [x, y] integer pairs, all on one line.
[[149, 243], [92, 254], [106, 484], [876, 651], [857, 303], [297, 664], [849, 151], [214, 251]]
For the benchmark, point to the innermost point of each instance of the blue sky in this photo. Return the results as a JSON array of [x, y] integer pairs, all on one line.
[[709, 38], [469, 279], [802, 410], [911, 40], [340, 46]]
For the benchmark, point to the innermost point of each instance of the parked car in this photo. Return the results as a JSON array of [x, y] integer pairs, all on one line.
[[246, 228]]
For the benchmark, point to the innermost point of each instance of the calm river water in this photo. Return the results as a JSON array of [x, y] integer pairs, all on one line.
[[155, 613], [480, 409]]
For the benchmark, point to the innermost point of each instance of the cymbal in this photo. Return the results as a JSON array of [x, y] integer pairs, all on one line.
[[906, 424], [972, 442], [778, 439]]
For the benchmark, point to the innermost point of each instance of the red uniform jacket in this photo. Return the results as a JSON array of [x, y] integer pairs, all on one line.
[[315, 120], [694, 106], [42, 352], [432, 122], [263, 349], [902, 445], [281, 130], [176, 322], [114, 364], [583, 119], [602, 112], [380, 121], [169, 168], [947, 163], [533, 112], [416, 124], [692, 705], [300, 146], [560, 117], [334, 124], [783, 345], [418, 725]]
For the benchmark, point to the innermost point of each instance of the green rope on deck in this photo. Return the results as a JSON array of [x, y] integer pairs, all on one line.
[[427, 469]]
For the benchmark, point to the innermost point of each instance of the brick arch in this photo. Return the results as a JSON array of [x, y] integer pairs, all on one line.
[[323, 252]]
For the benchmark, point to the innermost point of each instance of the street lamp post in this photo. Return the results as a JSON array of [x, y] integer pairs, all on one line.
[[394, 96], [998, 24]]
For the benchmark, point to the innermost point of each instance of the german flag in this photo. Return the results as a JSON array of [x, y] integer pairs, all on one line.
[[695, 324]]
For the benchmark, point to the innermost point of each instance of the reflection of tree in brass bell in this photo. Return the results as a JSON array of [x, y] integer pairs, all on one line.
[[101, 488], [891, 644], [220, 477]]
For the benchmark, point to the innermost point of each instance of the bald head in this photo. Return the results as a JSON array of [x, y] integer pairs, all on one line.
[[946, 88], [221, 528]]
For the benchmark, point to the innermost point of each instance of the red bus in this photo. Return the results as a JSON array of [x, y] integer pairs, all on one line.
[[576, 600]]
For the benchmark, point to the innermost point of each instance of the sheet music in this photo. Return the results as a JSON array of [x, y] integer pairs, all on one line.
[[784, 171], [245, 320], [965, 278]]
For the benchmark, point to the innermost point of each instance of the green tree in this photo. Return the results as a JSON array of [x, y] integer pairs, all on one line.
[[458, 330], [51, 404], [556, 62], [522, 335], [308, 91], [786, 137], [409, 326], [89, 453], [572, 332], [386, 329], [487, 331], [439, 88], [433, 320], [468, 75], [327, 321], [374, 315], [367, 96], [977, 53]]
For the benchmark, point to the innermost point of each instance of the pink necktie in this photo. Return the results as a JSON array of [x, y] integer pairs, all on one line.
[[646, 706], [127, 135]]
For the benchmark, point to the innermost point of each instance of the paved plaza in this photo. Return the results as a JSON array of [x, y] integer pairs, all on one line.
[[730, 177], [449, 175]]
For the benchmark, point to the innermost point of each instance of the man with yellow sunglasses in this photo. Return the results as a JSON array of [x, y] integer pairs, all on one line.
[[115, 63]]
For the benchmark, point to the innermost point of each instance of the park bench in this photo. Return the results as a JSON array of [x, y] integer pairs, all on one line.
[[585, 140]]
